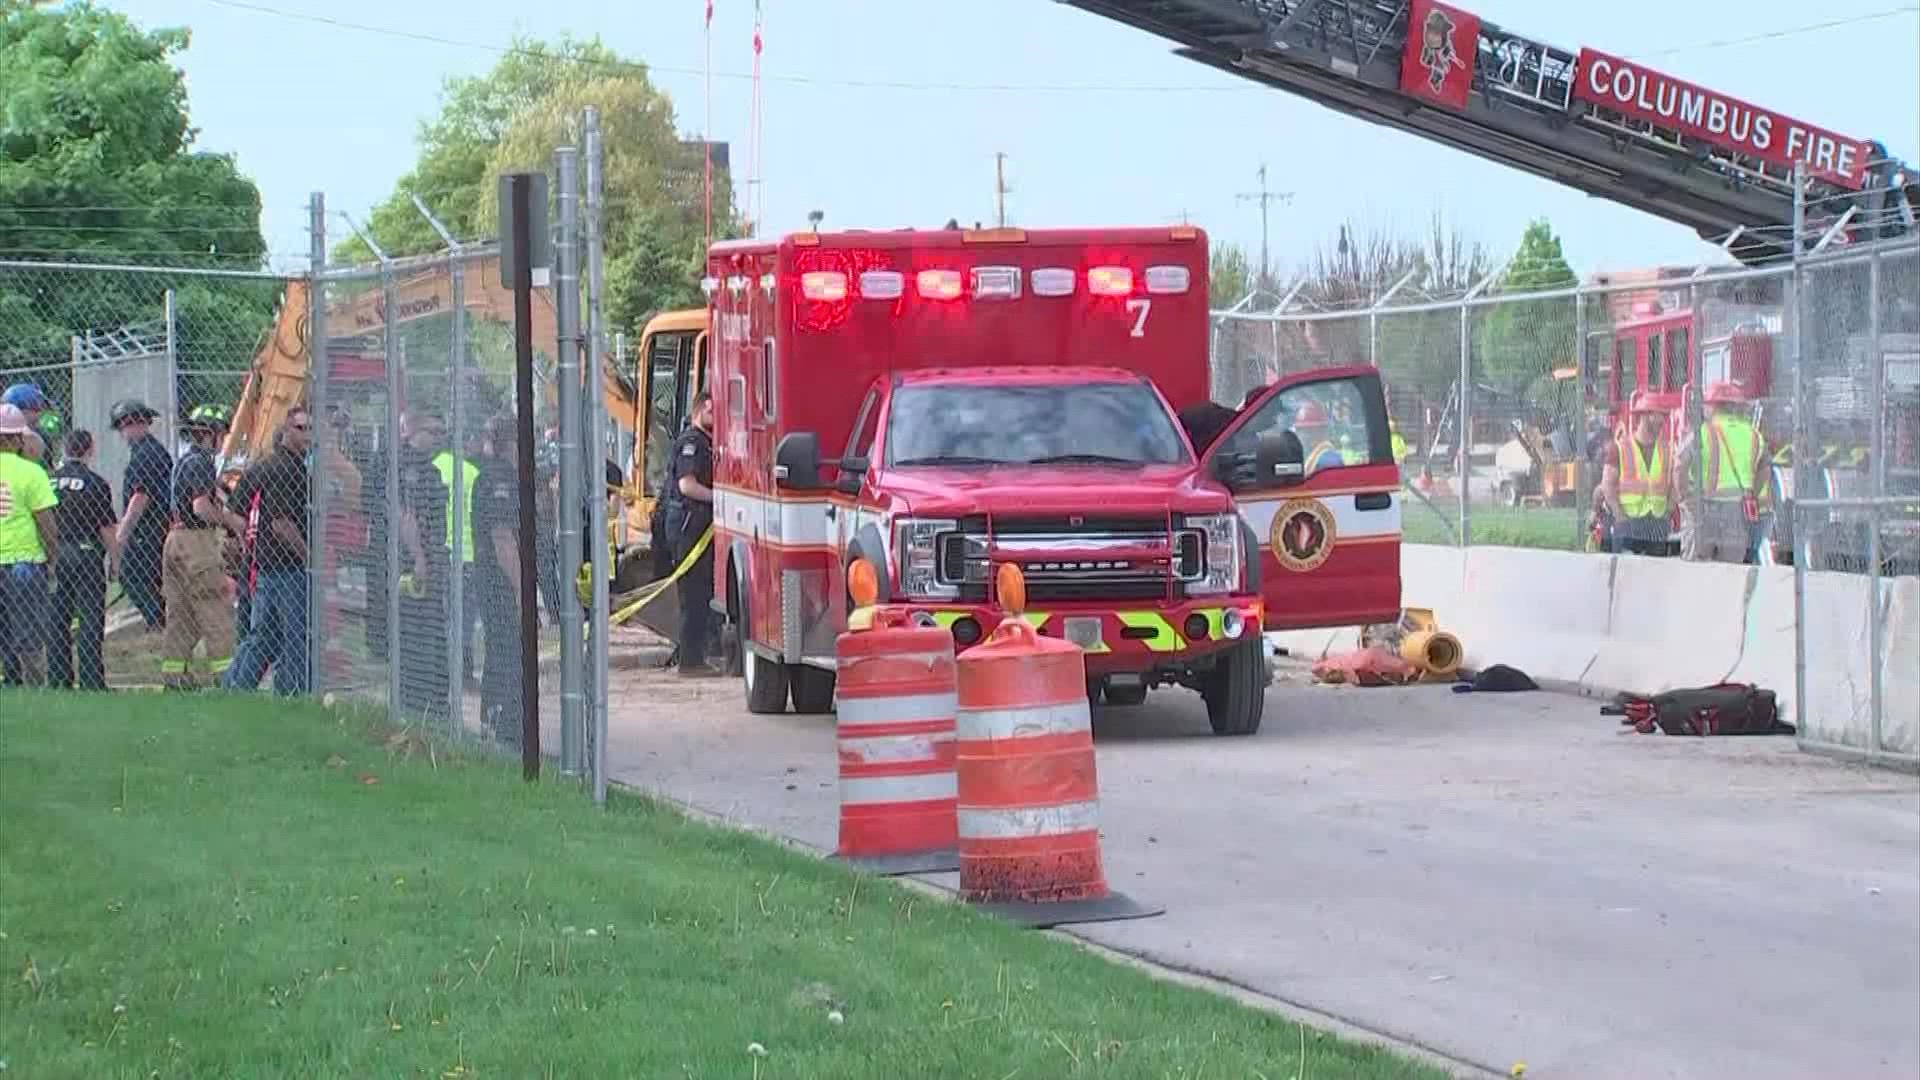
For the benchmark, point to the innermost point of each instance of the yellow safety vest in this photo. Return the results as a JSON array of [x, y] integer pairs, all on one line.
[[1399, 444], [1742, 445], [1643, 488], [469, 474]]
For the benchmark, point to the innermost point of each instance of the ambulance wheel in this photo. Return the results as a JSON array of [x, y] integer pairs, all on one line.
[[1124, 696], [766, 682], [1235, 690], [812, 689]]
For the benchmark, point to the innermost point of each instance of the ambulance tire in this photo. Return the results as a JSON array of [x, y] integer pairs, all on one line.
[[766, 682], [1126, 696], [1236, 689], [811, 688]]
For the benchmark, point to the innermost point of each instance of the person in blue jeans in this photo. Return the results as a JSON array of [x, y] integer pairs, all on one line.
[[28, 544], [276, 544]]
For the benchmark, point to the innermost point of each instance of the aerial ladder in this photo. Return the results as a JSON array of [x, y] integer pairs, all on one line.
[[1597, 123]]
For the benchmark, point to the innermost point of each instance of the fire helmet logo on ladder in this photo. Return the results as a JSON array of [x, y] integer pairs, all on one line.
[[1302, 534], [1442, 44]]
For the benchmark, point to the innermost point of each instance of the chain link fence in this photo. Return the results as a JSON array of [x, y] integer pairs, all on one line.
[[1513, 411], [1854, 467], [121, 355], [308, 484]]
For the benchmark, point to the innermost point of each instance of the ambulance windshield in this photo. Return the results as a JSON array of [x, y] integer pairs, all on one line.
[[978, 424]]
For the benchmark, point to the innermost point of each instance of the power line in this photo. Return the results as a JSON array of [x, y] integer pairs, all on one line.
[[1772, 35], [989, 87]]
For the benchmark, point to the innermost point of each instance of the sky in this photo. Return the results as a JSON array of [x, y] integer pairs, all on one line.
[[887, 113]]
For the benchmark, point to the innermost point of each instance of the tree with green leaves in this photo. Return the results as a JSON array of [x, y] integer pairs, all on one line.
[[513, 117], [1518, 344], [1229, 275], [97, 164]]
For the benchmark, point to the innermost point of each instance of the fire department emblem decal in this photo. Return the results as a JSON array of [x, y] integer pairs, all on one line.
[[1302, 534]]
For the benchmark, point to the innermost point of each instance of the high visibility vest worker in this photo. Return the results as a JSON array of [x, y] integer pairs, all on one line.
[[1399, 443], [1643, 482], [469, 473], [1741, 444]]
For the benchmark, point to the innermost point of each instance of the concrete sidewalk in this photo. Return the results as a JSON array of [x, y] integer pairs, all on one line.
[[1498, 878]]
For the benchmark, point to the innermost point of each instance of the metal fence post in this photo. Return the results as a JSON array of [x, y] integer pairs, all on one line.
[[173, 371], [1796, 308], [1466, 429], [457, 659], [390, 344], [317, 365], [596, 404], [1583, 478], [567, 309], [1696, 423], [1877, 461]]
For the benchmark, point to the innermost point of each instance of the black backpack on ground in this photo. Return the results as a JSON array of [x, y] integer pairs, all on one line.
[[1721, 709]]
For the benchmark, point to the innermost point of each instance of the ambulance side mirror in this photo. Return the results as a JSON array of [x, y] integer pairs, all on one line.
[[796, 461], [1280, 460]]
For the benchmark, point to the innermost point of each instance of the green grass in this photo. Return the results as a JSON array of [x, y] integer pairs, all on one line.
[[1551, 527], [214, 886]]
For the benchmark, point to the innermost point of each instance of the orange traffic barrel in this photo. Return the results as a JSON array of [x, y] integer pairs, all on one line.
[[1029, 799], [895, 699]]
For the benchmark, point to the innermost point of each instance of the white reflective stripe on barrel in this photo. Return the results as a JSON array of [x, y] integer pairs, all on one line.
[[1021, 723], [924, 787], [896, 709], [979, 824], [878, 749]]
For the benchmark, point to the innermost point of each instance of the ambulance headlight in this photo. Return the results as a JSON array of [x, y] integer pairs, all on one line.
[[1220, 567], [916, 546]]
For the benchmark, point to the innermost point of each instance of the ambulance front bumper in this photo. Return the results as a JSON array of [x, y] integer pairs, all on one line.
[[1115, 639]]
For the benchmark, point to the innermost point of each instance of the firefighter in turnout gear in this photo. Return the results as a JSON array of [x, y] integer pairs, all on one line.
[[199, 593], [1636, 484], [1721, 526]]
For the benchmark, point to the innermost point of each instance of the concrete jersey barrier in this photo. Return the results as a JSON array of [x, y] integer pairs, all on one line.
[[1606, 623]]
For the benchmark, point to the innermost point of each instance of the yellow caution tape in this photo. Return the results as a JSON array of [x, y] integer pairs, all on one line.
[[646, 594]]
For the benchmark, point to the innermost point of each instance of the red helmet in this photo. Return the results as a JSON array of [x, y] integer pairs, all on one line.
[[1309, 414], [1724, 393]]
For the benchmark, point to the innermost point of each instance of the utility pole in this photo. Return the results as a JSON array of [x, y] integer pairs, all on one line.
[[1000, 188], [1265, 198]]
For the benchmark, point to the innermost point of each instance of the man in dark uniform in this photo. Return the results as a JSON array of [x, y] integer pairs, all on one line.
[[87, 520], [689, 515], [426, 563], [496, 533], [148, 490]]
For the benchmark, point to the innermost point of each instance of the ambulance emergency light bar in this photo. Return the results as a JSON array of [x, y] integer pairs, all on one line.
[[979, 283]]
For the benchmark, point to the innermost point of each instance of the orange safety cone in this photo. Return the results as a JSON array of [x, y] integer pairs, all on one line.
[[895, 698], [1029, 800]]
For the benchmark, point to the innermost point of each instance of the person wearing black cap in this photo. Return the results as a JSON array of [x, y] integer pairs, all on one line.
[[86, 519], [147, 487]]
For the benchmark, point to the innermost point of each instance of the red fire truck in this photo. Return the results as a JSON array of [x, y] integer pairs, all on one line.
[[941, 403]]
